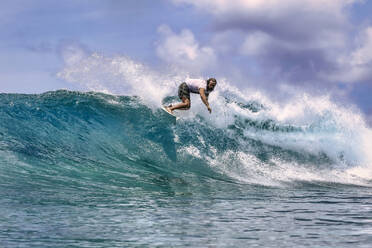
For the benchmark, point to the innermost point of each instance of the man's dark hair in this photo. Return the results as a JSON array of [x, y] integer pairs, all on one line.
[[212, 79]]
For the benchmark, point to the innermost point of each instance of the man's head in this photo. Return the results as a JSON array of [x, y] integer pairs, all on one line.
[[211, 83]]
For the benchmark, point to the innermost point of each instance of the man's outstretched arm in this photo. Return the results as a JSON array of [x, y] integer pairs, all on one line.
[[204, 99]]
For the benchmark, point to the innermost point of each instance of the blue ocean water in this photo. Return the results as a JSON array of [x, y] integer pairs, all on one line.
[[99, 170]]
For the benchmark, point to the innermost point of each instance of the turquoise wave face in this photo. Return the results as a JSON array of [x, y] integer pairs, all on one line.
[[98, 141]]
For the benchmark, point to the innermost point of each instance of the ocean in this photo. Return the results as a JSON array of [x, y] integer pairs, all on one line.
[[89, 169]]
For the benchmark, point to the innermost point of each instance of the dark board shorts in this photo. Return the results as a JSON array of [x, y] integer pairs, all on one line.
[[183, 91]]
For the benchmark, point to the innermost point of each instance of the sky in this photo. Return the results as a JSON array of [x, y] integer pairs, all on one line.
[[278, 46]]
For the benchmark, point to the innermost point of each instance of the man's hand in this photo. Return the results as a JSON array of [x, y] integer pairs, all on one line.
[[209, 109]]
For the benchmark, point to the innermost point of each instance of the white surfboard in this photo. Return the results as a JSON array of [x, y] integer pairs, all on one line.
[[165, 109]]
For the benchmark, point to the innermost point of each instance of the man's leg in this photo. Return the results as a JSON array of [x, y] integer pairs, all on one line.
[[184, 105]]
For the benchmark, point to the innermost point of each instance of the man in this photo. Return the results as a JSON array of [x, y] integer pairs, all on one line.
[[196, 86]]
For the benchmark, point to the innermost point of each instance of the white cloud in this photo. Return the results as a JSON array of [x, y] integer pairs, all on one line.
[[254, 43], [363, 54], [355, 66], [183, 51], [271, 7]]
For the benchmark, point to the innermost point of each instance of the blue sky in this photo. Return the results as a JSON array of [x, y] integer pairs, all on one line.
[[320, 46]]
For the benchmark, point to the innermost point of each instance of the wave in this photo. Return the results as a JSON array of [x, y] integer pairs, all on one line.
[[96, 140]]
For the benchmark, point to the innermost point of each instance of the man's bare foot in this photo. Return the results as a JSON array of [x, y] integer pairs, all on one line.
[[169, 110]]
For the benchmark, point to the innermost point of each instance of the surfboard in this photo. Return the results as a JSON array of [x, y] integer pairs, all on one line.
[[163, 108]]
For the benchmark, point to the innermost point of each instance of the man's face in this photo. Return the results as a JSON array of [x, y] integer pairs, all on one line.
[[211, 85]]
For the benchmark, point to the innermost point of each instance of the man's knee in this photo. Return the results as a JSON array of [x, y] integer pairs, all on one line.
[[188, 104]]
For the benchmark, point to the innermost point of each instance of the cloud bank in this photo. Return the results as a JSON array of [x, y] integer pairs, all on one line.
[[309, 42]]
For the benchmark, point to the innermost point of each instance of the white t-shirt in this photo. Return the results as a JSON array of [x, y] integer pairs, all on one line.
[[196, 84]]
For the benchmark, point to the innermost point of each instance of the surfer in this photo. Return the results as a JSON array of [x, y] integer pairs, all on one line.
[[196, 86]]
